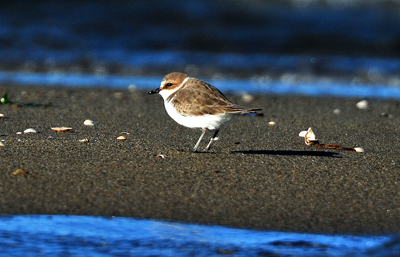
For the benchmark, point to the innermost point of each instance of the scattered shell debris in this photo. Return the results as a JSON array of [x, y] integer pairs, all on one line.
[[161, 156], [89, 123], [272, 123], [311, 139], [85, 140], [362, 105], [19, 171], [61, 129], [50, 137], [30, 130], [121, 138]]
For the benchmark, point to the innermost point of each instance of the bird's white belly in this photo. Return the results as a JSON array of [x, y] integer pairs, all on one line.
[[208, 121]]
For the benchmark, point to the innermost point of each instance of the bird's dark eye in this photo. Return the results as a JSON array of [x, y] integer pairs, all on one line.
[[168, 85]]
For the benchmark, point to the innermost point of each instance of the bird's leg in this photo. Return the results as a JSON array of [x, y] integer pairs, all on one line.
[[201, 137], [212, 139]]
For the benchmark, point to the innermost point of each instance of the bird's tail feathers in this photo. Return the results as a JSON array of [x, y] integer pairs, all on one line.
[[252, 112]]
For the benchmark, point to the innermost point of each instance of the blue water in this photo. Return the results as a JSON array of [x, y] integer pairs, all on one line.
[[58, 235], [342, 48], [259, 85]]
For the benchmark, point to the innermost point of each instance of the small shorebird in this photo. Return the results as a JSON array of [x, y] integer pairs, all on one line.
[[194, 103]]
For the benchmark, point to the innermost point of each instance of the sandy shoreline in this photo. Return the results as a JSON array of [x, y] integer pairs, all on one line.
[[257, 176]]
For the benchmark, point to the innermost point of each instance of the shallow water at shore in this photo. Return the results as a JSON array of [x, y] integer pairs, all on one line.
[[41, 235]]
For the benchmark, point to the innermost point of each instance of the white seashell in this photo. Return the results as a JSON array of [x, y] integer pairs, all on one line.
[[272, 123], [161, 156], [84, 140], [362, 105], [30, 130], [359, 149], [310, 137], [337, 111], [19, 133], [61, 129], [302, 133], [121, 138], [1, 115], [89, 123]]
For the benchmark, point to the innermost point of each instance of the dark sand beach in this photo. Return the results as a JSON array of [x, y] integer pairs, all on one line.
[[256, 176]]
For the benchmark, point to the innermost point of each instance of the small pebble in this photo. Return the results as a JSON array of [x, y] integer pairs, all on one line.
[[121, 138], [386, 115], [362, 105], [272, 123], [89, 123], [1, 144], [118, 95], [247, 98], [337, 111], [29, 130], [132, 88], [1, 115]]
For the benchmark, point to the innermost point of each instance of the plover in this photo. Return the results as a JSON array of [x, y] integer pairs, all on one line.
[[194, 103]]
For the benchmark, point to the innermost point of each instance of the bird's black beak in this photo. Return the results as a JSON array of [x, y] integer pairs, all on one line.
[[155, 91]]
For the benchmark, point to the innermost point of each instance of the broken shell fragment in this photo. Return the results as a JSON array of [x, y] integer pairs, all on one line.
[[362, 105], [89, 123], [272, 123], [309, 137], [1, 144], [359, 149], [84, 140], [161, 156], [121, 138], [1, 115], [19, 171], [30, 130], [61, 129]]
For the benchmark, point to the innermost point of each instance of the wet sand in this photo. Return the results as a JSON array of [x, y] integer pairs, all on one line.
[[256, 176]]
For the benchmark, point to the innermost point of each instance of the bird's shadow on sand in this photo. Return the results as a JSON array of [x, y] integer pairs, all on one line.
[[289, 153]]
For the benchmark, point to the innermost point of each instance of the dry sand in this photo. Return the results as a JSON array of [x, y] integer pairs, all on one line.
[[256, 176]]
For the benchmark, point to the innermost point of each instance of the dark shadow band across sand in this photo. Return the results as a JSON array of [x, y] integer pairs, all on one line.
[[256, 176]]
